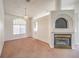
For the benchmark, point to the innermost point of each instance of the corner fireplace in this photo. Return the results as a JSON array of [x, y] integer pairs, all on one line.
[[62, 41]]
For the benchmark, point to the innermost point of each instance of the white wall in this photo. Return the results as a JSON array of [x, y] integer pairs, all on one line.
[[1, 26], [67, 4], [77, 22], [8, 27], [29, 27], [43, 32]]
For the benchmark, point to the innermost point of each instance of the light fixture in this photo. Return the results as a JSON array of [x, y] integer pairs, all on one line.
[[26, 16], [26, 8]]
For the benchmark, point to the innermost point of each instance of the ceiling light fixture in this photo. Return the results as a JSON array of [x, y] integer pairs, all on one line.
[[26, 10]]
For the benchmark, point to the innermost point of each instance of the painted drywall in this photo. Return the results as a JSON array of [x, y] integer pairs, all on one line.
[[29, 27], [43, 32], [8, 27], [77, 22], [1, 25]]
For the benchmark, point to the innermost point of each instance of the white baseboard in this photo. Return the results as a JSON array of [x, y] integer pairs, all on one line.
[[16, 38]]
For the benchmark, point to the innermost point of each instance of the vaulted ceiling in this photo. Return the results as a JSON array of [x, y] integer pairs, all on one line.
[[36, 7]]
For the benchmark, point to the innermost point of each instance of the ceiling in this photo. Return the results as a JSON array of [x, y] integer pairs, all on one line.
[[36, 7]]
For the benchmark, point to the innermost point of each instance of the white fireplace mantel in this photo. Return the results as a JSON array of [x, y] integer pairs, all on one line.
[[69, 16]]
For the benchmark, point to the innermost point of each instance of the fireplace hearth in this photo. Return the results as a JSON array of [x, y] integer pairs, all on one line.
[[62, 41]]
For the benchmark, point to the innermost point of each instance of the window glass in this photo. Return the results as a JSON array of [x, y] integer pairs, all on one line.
[[16, 29], [19, 26], [22, 29]]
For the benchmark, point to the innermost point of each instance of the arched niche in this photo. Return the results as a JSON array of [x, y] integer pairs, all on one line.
[[61, 23], [67, 17]]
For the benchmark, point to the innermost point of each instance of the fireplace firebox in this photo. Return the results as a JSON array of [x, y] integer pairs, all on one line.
[[62, 41]]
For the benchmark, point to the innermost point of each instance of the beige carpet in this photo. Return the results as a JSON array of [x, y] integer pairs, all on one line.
[[32, 48]]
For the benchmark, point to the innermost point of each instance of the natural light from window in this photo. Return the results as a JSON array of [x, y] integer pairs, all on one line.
[[19, 26]]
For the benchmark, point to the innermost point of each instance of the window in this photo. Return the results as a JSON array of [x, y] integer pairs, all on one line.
[[19, 26], [61, 23]]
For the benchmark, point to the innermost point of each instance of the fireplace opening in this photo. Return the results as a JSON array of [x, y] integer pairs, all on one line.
[[62, 41]]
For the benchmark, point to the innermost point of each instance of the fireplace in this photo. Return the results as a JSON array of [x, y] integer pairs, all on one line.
[[62, 41]]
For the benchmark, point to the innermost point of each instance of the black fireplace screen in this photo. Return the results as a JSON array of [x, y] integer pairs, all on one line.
[[62, 41]]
